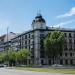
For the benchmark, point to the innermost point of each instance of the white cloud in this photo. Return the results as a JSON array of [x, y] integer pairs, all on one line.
[[63, 23], [69, 13]]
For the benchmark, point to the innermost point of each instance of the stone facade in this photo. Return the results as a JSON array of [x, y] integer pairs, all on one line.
[[32, 40]]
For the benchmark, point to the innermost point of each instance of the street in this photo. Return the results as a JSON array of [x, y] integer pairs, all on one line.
[[5, 71]]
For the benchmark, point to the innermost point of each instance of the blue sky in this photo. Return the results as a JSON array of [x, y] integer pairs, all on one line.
[[18, 14]]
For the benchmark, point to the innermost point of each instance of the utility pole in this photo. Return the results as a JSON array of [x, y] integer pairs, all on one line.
[[7, 38], [7, 46]]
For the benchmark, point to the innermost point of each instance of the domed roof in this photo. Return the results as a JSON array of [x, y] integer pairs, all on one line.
[[38, 18]]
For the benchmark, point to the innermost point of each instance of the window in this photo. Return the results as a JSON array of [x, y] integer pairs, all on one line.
[[65, 47], [65, 34], [61, 61], [70, 40], [71, 61], [42, 54], [70, 47], [23, 42], [41, 26], [41, 44], [29, 47], [60, 54], [32, 49], [41, 35], [71, 54], [66, 61], [70, 35], [42, 62], [74, 41], [66, 54], [32, 42], [49, 61], [32, 54], [25, 46], [25, 36], [74, 35], [29, 42], [29, 35], [32, 36], [26, 42], [65, 41], [74, 47]]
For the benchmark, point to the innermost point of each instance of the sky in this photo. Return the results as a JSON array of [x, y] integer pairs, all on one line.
[[17, 15]]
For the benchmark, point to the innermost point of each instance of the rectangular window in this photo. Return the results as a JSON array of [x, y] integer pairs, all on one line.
[[66, 61], [74, 35], [25, 36], [60, 54], [74, 47], [65, 41], [61, 61], [25, 42], [32, 36], [29, 47], [70, 41], [42, 54], [29, 35], [74, 41], [71, 54], [66, 54], [70, 47], [70, 35], [29, 42], [71, 62], [41, 35], [25, 46], [65, 47], [32, 42], [65, 34]]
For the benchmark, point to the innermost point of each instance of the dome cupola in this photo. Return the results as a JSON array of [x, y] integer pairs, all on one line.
[[38, 18], [39, 22]]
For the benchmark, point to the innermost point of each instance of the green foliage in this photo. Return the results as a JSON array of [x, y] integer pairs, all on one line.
[[54, 70], [23, 54], [54, 43], [12, 56]]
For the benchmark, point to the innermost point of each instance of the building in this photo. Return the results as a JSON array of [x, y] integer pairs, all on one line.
[[32, 40], [5, 40]]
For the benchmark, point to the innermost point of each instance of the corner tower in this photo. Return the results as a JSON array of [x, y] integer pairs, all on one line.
[[39, 22]]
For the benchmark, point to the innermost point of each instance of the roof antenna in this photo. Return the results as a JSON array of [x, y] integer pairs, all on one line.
[[39, 12]]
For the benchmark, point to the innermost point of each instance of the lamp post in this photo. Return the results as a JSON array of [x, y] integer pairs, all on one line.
[[7, 46], [7, 38]]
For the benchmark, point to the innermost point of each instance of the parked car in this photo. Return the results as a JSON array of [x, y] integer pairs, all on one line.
[[3, 65], [56, 65]]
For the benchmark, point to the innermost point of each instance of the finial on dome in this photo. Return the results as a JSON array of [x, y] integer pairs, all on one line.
[[39, 12]]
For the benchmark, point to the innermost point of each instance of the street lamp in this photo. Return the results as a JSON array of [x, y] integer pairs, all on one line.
[[7, 38]]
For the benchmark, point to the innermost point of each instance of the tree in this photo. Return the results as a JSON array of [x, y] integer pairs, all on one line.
[[2, 57], [12, 57], [8, 57], [54, 43], [11, 54], [22, 55]]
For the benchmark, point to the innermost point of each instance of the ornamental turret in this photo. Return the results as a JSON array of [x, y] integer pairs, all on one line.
[[39, 22]]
